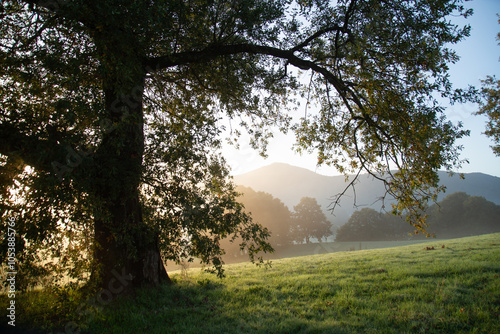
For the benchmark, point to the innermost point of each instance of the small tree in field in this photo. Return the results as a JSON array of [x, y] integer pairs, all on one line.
[[110, 118], [309, 221]]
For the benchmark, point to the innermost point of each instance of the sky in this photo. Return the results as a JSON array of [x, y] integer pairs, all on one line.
[[479, 55]]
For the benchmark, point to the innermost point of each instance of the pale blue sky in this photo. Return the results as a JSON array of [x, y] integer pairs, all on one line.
[[479, 57]]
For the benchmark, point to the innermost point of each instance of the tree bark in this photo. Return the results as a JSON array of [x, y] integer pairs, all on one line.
[[126, 249], [126, 246]]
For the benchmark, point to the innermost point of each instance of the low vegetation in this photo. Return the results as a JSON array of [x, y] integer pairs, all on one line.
[[457, 215], [435, 287], [287, 229]]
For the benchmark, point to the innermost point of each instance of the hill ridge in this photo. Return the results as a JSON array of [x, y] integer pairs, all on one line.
[[290, 183]]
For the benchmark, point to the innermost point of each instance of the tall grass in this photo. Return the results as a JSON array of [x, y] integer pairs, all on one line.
[[409, 289]]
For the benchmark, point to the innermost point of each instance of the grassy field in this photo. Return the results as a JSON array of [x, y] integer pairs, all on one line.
[[332, 247], [407, 289], [312, 249]]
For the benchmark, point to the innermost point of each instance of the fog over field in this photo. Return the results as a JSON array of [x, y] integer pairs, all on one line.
[[290, 183]]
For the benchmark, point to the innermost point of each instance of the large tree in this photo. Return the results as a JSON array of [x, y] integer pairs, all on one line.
[[110, 115]]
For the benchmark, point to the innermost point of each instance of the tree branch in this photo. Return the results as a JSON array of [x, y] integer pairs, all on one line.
[[319, 33], [215, 51], [51, 5], [34, 151]]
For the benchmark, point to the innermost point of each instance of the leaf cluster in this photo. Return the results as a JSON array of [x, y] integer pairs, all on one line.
[[309, 221], [376, 71], [379, 109], [457, 215]]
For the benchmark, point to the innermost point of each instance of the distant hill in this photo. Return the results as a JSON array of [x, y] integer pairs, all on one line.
[[290, 183]]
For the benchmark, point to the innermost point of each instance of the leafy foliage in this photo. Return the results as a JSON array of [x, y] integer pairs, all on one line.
[[378, 111], [267, 211], [458, 215], [490, 106], [309, 221], [110, 116]]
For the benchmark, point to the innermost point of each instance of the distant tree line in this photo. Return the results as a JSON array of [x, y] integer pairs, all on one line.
[[457, 215], [306, 222]]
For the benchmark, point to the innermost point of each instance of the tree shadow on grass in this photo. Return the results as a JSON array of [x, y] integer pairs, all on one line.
[[205, 306]]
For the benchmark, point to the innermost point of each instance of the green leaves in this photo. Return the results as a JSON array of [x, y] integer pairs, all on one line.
[[382, 118], [491, 107], [309, 221], [143, 87]]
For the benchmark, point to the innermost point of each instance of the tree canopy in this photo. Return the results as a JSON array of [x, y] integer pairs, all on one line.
[[370, 225], [309, 221], [266, 210], [110, 116], [457, 215], [490, 106]]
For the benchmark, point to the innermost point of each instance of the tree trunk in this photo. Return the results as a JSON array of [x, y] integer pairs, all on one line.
[[126, 251]]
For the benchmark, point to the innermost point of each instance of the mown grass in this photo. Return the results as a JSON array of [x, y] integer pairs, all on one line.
[[455, 289]]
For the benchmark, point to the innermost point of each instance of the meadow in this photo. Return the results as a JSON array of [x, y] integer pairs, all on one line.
[[445, 286]]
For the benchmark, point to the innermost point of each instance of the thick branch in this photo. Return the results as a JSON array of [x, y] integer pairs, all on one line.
[[216, 51]]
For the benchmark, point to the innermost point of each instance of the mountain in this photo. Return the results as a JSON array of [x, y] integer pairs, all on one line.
[[290, 183]]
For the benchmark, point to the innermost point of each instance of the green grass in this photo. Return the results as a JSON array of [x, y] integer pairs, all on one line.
[[407, 289], [313, 249]]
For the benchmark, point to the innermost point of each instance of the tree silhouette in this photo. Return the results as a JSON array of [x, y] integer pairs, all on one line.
[[457, 215], [269, 212], [110, 117], [460, 215], [309, 221]]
